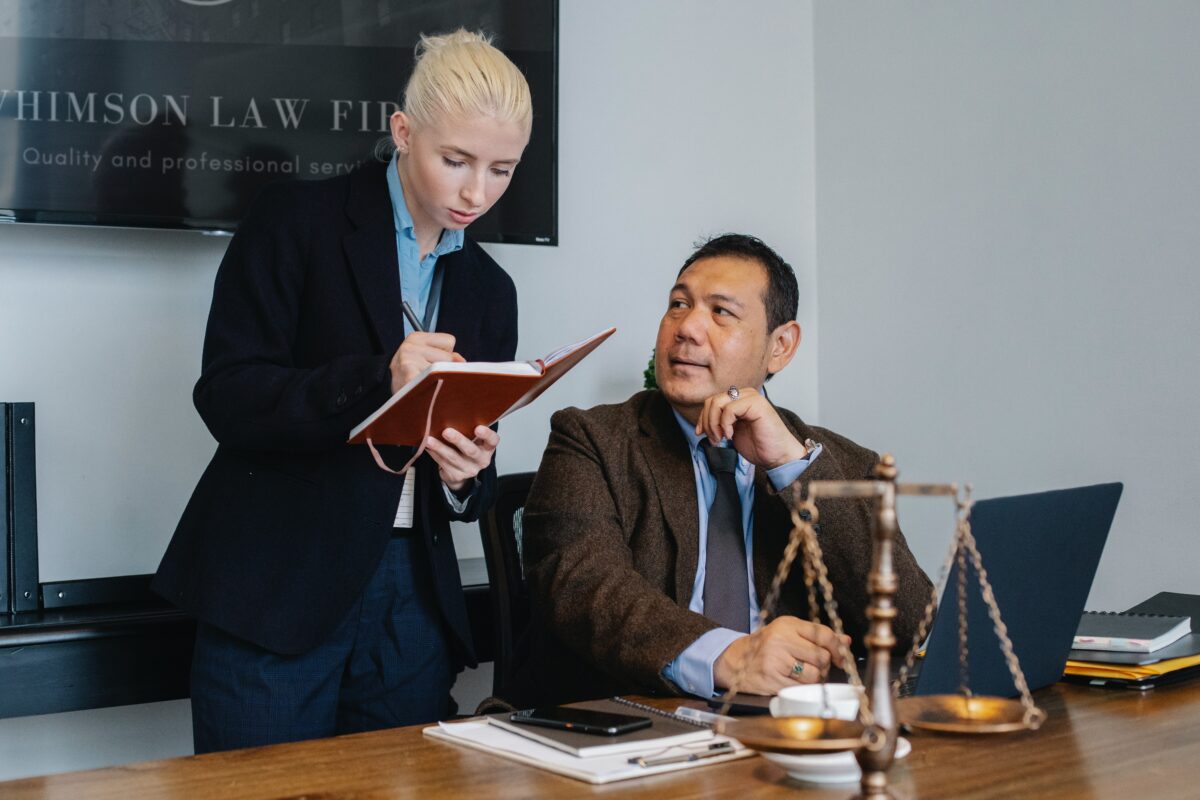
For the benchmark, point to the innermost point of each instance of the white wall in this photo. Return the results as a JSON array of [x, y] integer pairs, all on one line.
[[668, 132], [101, 329], [677, 120], [1007, 236]]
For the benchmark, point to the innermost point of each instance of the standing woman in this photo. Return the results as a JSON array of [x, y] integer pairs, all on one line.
[[327, 590]]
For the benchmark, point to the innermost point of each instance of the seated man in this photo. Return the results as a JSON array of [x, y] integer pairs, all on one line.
[[654, 527]]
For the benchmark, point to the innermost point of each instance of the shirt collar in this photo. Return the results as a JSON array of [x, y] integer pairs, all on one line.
[[450, 241]]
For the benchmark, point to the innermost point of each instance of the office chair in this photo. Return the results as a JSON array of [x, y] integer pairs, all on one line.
[[500, 529]]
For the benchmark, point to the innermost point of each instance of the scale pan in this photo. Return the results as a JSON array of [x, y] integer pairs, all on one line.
[[956, 713], [794, 734]]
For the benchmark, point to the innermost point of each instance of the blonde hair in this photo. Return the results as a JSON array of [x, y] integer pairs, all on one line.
[[462, 75]]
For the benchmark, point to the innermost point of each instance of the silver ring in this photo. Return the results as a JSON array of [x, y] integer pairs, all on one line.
[[733, 393], [798, 668]]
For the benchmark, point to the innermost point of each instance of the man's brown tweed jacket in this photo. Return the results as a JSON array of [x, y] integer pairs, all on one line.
[[611, 547]]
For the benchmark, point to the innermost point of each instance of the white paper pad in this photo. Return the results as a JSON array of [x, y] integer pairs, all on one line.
[[480, 735]]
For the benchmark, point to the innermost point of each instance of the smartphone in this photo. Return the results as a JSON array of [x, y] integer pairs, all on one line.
[[580, 720]]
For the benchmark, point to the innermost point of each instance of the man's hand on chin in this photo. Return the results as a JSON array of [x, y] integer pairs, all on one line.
[[771, 654], [752, 425]]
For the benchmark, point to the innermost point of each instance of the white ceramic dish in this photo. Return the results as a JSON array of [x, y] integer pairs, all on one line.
[[827, 768], [839, 700]]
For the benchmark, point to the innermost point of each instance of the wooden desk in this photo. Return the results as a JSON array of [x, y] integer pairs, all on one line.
[[1097, 743]]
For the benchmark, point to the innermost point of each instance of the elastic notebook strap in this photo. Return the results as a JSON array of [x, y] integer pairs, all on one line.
[[428, 422]]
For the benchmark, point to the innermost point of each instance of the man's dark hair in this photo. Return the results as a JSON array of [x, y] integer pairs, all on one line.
[[782, 296]]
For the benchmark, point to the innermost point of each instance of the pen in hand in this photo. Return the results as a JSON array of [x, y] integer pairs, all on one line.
[[417, 327], [412, 317]]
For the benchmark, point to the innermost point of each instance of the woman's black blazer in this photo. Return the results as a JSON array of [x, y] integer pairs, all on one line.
[[288, 522]]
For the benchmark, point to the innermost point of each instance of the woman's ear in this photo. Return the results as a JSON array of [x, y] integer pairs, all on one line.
[[401, 131]]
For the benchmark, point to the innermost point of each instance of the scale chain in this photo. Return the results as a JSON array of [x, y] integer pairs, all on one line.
[[1034, 716], [803, 534], [964, 671], [781, 573], [963, 505], [815, 555]]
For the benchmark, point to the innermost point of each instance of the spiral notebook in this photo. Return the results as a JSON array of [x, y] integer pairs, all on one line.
[[1128, 632]]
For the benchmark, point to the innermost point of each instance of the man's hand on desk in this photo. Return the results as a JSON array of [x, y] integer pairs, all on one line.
[[771, 653]]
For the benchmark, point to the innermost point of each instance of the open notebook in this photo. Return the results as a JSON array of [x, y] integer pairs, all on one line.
[[463, 395]]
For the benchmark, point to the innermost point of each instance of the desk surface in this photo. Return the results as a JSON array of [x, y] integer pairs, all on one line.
[[1097, 743]]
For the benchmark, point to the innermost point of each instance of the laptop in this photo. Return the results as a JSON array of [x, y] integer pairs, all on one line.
[[1041, 552]]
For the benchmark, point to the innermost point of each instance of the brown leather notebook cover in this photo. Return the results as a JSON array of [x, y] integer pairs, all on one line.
[[472, 394]]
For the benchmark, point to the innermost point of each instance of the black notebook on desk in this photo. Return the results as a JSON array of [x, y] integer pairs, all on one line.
[[1163, 603]]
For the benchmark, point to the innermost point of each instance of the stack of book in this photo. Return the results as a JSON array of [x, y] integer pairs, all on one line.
[[1145, 646]]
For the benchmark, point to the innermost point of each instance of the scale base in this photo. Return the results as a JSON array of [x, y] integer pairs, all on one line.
[[795, 735], [956, 713]]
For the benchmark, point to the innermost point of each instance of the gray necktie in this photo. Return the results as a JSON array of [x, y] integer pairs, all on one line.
[[726, 587]]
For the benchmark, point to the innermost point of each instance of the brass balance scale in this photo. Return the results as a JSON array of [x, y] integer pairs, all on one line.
[[873, 735]]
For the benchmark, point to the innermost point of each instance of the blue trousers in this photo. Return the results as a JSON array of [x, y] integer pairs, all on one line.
[[386, 664]]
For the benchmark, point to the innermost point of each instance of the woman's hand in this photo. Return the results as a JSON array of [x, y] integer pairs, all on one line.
[[417, 352], [460, 459]]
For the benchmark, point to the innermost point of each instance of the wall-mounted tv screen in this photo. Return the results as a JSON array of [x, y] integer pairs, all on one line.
[[174, 113]]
